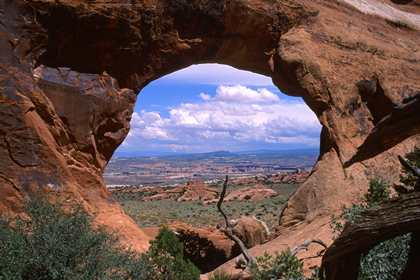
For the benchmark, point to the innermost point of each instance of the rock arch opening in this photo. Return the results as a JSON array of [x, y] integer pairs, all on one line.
[[214, 107], [320, 51]]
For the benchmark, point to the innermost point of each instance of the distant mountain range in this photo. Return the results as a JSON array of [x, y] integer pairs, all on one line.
[[147, 154]]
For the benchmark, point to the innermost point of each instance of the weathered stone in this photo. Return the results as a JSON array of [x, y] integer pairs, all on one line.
[[251, 194], [208, 247], [351, 62], [191, 191], [197, 191], [290, 178]]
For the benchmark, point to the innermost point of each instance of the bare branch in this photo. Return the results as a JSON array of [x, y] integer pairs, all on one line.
[[411, 168], [263, 224], [219, 203], [305, 245], [229, 232]]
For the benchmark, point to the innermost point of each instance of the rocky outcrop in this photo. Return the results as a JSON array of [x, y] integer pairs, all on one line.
[[297, 177], [146, 190], [197, 191], [247, 229], [353, 62], [251, 194], [208, 247], [192, 190]]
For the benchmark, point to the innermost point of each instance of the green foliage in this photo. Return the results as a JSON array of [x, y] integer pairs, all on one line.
[[407, 177], [347, 214], [56, 242], [166, 243], [167, 254], [378, 191], [386, 260], [280, 266], [220, 275]]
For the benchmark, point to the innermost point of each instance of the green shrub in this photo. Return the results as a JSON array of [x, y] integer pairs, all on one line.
[[57, 242], [407, 177], [220, 275], [280, 266], [378, 191], [386, 260], [167, 255]]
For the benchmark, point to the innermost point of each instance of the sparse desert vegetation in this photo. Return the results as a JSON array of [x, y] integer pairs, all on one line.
[[154, 213]]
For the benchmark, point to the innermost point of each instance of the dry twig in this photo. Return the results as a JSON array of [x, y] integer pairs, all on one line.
[[228, 230]]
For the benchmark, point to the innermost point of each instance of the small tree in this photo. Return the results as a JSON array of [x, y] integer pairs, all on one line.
[[284, 265], [378, 191], [407, 177], [167, 255]]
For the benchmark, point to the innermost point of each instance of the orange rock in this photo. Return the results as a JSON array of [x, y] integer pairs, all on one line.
[[208, 247], [255, 193], [60, 126]]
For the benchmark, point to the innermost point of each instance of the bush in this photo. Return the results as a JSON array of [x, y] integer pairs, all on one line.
[[56, 242], [386, 260], [167, 254], [220, 275], [281, 266], [407, 177], [378, 191]]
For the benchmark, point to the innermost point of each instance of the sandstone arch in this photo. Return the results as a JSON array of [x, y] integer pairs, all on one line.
[[351, 64]]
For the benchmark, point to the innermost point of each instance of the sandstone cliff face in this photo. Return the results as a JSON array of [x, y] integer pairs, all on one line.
[[351, 63]]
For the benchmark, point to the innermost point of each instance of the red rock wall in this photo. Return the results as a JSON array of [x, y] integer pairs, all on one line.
[[59, 127]]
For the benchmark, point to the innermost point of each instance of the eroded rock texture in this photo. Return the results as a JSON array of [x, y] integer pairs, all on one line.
[[351, 61]]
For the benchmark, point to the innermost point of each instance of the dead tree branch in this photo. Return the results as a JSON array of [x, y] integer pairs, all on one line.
[[267, 230], [305, 245], [228, 230], [412, 169]]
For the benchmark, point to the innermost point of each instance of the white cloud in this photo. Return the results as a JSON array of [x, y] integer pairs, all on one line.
[[242, 94], [204, 96], [216, 121], [216, 74]]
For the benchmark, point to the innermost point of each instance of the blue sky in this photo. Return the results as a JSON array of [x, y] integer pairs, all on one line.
[[213, 107]]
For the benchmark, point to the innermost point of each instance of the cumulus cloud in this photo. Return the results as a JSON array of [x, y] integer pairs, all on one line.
[[241, 94], [228, 119]]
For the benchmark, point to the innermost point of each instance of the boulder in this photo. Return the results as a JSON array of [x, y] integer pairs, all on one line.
[[193, 190], [251, 194], [198, 191], [208, 247], [157, 189], [177, 191], [247, 229], [290, 178]]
